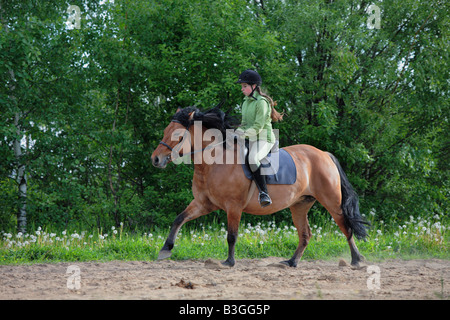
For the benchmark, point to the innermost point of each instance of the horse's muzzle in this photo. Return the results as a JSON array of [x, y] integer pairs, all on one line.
[[161, 161]]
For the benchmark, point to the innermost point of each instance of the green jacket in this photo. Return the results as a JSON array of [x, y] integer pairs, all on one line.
[[256, 117]]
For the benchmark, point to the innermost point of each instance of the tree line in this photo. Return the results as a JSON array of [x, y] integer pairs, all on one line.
[[87, 88]]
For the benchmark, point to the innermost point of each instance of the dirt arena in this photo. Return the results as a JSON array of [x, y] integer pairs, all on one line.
[[249, 279]]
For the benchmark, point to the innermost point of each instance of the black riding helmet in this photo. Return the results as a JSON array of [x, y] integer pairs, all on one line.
[[251, 77]]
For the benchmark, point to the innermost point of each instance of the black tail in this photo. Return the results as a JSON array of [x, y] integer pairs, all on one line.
[[350, 205]]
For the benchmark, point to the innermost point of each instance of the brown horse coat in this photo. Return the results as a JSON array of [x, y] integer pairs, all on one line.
[[224, 186]]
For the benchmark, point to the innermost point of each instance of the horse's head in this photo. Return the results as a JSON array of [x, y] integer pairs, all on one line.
[[175, 136]]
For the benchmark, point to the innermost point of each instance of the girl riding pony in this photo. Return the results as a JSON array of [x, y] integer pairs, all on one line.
[[258, 112]]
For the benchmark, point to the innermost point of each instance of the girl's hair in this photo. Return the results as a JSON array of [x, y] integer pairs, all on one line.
[[275, 115]]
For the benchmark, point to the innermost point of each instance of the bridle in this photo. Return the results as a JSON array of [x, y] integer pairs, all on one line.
[[184, 135], [166, 145]]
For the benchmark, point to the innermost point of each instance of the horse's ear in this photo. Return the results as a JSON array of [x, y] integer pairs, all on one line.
[[191, 115], [178, 110]]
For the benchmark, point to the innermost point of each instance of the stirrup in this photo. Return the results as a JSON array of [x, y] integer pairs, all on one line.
[[264, 199]]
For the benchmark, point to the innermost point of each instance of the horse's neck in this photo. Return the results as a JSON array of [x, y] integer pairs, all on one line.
[[229, 155]]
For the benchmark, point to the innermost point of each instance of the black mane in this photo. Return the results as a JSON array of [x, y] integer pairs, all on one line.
[[213, 118]]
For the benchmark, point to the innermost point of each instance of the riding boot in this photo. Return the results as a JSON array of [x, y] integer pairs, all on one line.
[[260, 180]]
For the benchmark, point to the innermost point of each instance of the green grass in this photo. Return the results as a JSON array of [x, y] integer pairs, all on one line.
[[415, 238]]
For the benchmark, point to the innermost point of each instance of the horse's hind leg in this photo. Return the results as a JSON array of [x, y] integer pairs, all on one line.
[[356, 256], [334, 208], [299, 213]]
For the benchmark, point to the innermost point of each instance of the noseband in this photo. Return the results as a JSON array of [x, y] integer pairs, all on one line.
[[166, 145]]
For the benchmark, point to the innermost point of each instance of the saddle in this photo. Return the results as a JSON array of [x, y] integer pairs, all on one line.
[[278, 167]]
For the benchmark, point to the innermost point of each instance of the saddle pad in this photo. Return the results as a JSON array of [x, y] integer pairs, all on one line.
[[280, 162]]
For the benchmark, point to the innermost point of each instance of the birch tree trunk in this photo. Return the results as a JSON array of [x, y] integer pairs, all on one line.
[[21, 177]]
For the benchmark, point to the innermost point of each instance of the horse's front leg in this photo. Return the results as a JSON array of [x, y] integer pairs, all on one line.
[[234, 218], [193, 211]]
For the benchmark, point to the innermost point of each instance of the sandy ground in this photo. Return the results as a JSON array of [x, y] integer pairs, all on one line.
[[249, 279]]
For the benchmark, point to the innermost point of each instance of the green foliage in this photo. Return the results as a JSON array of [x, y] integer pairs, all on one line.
[[421, 238], [92, 103]]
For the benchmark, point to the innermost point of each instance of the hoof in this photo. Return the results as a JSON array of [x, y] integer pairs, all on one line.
[[357, 261], [228, 263], [358, 265], [289, 263], [164, 254]]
